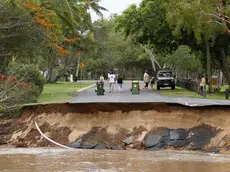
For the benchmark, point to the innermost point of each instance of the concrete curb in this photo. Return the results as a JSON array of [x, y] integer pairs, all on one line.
[[85, 88]]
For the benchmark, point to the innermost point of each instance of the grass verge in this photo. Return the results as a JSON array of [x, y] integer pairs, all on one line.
[[181, 92], [61, 92]]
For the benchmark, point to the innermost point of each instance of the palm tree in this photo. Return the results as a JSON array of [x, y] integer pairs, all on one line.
[[75, 12], [71, 12], [94, 5]]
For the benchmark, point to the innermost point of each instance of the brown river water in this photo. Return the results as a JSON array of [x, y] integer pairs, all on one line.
[[58, 160]]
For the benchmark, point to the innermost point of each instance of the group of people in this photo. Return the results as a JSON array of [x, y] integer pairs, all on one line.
[[112, 80]]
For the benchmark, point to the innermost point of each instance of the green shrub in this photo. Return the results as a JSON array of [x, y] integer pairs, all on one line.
[[20, 85], [29, 74], [27, 84]]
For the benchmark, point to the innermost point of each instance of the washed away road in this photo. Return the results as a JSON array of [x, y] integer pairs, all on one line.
[[145, 96]]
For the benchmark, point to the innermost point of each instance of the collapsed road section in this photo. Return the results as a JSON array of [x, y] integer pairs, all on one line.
[[121, 126]]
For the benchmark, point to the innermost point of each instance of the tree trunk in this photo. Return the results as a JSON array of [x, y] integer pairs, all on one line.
[[50, 68], [78, 66], [4, 62], [219, 79], [66, 68], [61, 74], [208, 65], [226, 70], [75, 62]]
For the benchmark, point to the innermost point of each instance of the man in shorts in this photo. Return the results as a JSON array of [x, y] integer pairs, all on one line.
[[112, 79]]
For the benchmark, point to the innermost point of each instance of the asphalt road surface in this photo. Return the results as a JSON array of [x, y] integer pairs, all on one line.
[[148, 96]]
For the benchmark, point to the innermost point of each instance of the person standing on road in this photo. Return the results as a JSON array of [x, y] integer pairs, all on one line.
[[89, 76], [152, 82], [112, 79], [146, 79], [119, 82], [102, 79], [108, 78]]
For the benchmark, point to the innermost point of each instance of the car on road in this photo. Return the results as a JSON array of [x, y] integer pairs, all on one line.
[[165, 78]]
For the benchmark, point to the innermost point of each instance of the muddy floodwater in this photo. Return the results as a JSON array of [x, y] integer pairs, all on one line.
[[57, 160]]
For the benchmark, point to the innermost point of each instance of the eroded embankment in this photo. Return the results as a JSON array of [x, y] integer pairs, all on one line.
[[139, 126]]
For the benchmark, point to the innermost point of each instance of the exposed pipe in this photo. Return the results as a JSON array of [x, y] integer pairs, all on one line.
[[47, 138], [152, 58]]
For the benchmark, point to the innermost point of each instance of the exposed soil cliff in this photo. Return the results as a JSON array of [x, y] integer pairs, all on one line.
[[121, 126]]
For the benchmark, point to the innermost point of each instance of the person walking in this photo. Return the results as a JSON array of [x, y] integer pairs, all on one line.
[[146, 79], [112, 79], [202, 85], [119, 82], [89, 76]]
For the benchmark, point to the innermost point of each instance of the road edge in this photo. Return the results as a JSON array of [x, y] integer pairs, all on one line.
[[86, 88]]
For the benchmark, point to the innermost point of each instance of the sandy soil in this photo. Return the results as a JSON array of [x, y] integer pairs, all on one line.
[[110, 124]]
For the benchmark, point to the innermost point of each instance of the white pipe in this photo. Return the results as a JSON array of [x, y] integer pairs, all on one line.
[[152, 58], [151, 54], [58, 144]]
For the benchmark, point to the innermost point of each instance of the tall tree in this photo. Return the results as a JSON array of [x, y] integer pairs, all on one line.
[[201, 19], [64, 23], [94, 5], [18, 35], [112, 51], [147, 23]]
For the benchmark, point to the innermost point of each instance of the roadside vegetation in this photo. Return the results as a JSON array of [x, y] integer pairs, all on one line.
[[61, 91], [182, 92], [41, 41], [190, 37], [46, 41]]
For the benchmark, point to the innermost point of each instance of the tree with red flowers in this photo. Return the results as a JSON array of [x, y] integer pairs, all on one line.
[[60, 42]]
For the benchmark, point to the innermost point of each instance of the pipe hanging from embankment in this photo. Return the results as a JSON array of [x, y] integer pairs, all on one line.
[[110, 125], [47, 138]]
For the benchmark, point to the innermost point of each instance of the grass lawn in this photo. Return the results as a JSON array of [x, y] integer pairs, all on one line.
[[181, 92], [60, 92]]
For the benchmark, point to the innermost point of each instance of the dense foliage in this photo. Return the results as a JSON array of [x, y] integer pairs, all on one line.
[[40, 40], [166, 25], [47, 40], [111, 51]]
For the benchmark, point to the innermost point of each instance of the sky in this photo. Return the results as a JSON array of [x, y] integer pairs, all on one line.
[[114, 6]]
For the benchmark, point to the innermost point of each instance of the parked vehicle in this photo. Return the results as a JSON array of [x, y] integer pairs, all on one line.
[[165, 78]]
